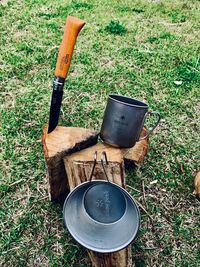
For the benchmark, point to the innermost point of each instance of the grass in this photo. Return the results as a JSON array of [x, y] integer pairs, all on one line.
[[159, 46], [115, 27]]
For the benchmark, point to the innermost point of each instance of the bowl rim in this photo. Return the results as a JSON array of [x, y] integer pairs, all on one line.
[[87, 245]]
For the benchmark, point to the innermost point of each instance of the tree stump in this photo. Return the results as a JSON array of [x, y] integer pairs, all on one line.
[[197, 185], [78, 165], [59, 143], [69, 158]]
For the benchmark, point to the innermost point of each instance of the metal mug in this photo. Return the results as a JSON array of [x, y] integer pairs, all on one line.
[[123, 121]]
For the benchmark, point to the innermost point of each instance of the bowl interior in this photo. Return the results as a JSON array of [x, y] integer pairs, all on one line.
[[104, 203], [94, 235]]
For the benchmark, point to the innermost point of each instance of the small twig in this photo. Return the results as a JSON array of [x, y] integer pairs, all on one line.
[[38, 189], [16, 182], [164, 206], [15, 248], [57, 247], [148, 248], [144, 195], [132, 188], [45, 197], [28, 194], [172, 24], [19, 199], [160, 202], [140, 205]]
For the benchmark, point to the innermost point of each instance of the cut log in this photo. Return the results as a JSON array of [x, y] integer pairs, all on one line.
[[136, 154], [197, 185], [78, 165], [122, 258], [59, 143], [67, 140]]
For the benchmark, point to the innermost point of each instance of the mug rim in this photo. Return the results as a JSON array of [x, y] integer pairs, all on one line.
[[136, 103]]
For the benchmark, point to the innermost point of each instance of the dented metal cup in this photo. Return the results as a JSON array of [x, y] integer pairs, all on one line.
[[123, 121]]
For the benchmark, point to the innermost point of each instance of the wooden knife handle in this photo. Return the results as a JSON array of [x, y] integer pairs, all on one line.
[[72, 28]]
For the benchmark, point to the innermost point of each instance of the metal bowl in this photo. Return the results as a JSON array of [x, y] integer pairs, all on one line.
[[101, 216]]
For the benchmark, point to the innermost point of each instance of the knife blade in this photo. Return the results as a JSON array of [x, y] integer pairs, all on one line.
[[72, 28]]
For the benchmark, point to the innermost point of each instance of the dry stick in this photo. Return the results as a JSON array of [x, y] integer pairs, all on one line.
[[139, 202], [144, 209], [133, 188], [144, 195], [16, 182], [165, 207], [4, 252]]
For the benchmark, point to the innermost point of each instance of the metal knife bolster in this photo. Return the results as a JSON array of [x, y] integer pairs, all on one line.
[[58, 83]]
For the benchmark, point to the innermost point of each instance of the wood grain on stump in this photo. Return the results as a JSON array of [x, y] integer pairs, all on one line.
[[197, 185], [59, 143]]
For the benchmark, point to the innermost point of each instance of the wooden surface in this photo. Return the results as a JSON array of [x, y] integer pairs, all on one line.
[[79, 165], [56, 145], [197, 185], [135, 154], [122, 258]]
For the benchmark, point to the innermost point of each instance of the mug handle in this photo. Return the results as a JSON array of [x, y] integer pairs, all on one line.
[[156, 124]]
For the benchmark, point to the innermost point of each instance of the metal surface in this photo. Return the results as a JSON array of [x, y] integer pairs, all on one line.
[[56, 100], [104, 203], [104, 162], [101, 216], [123, 121], [153, 113]]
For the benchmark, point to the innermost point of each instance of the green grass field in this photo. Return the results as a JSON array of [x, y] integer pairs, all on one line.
[[148, 50]]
